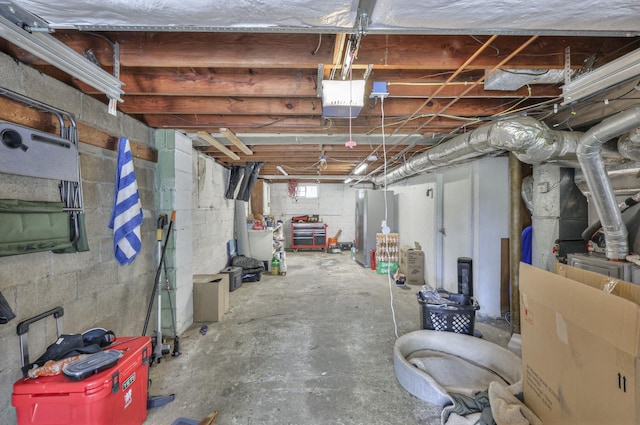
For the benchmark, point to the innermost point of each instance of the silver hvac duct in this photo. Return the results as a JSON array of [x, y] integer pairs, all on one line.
[[629, 145], [590, 157], [529, 139]]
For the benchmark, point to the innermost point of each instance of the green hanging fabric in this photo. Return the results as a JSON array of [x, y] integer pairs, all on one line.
[[32, 226], [77, 235]]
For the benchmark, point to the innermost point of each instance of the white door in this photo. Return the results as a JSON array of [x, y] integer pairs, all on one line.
[[456, 232]]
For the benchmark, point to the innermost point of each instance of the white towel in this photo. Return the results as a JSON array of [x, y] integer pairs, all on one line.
[[126, 216]]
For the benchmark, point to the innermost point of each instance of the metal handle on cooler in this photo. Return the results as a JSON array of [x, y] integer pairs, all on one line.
[[23, 327]]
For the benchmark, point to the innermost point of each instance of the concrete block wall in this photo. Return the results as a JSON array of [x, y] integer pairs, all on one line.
[[91, 287], [213, 215], [174, 180], [193, 185], [336, 206]]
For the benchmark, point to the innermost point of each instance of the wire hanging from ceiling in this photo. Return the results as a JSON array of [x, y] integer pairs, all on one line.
[[350, 143]]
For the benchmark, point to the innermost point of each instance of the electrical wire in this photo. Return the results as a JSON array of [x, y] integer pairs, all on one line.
[[315, 52], [386, 209], [512, 107]]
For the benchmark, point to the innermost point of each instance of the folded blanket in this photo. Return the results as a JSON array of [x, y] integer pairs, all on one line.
[[246, 262], [464, 405], [507, 409], [498, 405]]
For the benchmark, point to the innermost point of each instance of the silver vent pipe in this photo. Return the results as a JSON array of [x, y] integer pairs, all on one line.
[[530, 140], [589, 153]]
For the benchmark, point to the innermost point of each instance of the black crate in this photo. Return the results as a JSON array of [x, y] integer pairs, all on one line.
[[450, 317], [235, 277]]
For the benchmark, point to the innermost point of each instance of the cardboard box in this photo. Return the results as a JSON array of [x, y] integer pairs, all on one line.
[[580, 347], [210, 297], [412, 264]]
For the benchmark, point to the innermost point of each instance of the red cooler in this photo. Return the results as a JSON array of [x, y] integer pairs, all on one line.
[[115, 396]]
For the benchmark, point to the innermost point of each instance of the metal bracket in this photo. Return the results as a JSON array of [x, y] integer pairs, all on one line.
[[319, 79], [367, 73], [25, 20], [567, 64], [363, 23]]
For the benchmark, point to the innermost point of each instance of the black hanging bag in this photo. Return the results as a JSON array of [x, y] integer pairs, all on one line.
[[6, 313]]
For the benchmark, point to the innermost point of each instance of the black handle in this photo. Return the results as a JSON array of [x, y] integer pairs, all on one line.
[[23, 327]]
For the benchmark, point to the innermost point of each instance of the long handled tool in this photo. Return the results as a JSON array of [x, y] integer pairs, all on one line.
[[158, 401], [158, 351], [176, 338]]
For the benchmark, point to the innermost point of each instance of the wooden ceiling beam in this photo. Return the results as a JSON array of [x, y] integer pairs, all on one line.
[[234, 82], [262, 124], [422, 90], [203, 135], [231, 136], [287, 83], [299, 51], [300, 106], [201, 49], [19, 113], [448, 52]]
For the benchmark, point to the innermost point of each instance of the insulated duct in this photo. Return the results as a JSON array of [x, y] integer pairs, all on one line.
[[629, 145], [530, 140], [590, 158]]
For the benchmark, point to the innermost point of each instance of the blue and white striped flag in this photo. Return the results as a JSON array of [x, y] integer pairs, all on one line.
[[126, 216]]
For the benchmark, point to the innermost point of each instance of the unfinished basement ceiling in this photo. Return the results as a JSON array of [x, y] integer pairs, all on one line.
[[255, 67], [420, 16]]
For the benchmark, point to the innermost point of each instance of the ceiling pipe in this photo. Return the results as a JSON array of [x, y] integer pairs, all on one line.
[[589, 154], [529, 139], [629, 145], [469, 88], [449, 80]]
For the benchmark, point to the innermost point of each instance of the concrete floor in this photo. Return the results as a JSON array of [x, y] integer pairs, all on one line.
[[312, 347]]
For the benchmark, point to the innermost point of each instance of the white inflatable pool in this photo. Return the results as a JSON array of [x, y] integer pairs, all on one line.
[[432, 364]]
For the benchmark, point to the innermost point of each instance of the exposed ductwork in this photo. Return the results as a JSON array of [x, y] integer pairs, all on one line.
[[590, 157], [629, 145], [529, 139], [533, 142]]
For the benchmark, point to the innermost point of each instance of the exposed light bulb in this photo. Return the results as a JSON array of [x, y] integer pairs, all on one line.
[[360, 168]]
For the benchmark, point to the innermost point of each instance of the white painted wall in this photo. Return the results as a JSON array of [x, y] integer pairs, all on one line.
[[457, 234], [416, 215], [471, 201], [336, 206], [491, 223]]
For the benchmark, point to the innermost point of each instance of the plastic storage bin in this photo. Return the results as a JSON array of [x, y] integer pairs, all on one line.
[[457, 315], [235, 277]]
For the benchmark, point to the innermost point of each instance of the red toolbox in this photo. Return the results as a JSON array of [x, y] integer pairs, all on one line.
[[115, 396]]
